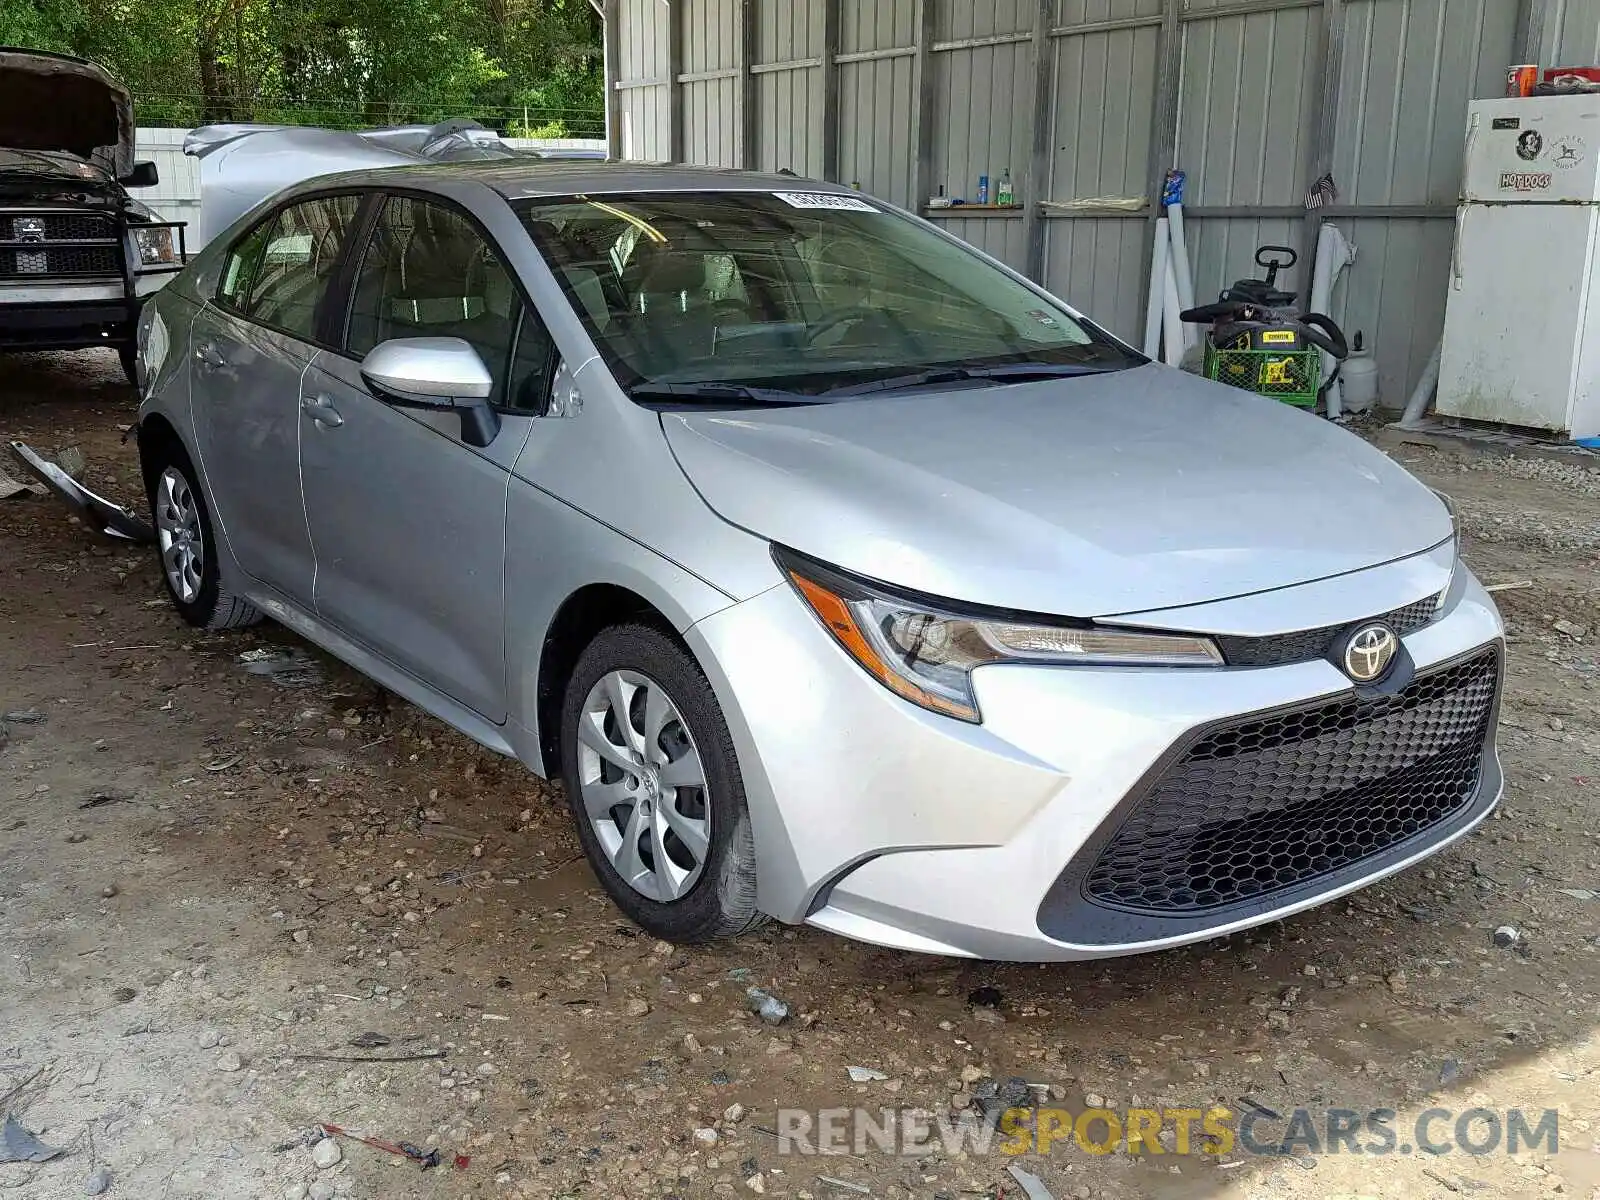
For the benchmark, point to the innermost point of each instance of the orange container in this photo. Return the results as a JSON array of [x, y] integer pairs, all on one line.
[[1520, 79]]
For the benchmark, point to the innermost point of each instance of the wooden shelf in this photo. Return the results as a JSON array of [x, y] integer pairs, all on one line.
[[975, 210]]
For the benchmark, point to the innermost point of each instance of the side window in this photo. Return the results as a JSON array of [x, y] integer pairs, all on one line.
[[243, 263], [533, 363], [297, 262], [428, 272]]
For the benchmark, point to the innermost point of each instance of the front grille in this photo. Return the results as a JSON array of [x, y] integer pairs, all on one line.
[[75, 227], [1273, 802], [59, 260], [41, 253], [1308, 644]]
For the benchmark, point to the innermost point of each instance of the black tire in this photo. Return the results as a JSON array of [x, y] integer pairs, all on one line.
[[722, 902], [216, 606]]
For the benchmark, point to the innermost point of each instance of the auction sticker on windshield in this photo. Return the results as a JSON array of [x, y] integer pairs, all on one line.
[[823, 200]]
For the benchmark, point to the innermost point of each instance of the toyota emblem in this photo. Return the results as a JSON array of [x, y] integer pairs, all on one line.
[[1369, 652]]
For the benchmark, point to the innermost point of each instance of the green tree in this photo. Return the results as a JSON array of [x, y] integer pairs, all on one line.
[[337, 62]]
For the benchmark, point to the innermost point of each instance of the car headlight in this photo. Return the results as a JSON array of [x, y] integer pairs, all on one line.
[[155, 246], [926, 653]]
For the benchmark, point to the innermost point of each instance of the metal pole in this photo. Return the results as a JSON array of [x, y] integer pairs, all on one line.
[[675, 138], [830, 90], [1528, 44], [922, 116], [1164, 119], [1038, 183], [1325, 126], [749, 140], [613, 68]]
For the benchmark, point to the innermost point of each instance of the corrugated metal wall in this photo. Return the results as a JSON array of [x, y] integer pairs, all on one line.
[[177, 196], [1255, 98], [644, 94], [877, 77], [1408, 69], [710, 42], [1569, 33]]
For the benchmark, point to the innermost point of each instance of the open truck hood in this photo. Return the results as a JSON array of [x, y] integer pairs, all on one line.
[[1085, 497], [57, 103]]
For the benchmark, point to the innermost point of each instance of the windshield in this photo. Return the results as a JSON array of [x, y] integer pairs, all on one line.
[[796, 296]]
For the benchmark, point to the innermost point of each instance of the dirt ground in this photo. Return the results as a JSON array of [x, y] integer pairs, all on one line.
[[205, 873]]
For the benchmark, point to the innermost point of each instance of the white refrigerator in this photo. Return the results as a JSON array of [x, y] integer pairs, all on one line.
[[1522, 320]]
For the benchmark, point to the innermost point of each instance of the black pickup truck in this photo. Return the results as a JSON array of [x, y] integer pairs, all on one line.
[[78, 254]]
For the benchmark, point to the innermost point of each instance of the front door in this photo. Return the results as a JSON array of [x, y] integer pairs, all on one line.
[[408, 521], [251, 347]]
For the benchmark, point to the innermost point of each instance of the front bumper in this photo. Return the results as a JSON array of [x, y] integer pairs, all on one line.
[[66, 315], [883, 822]]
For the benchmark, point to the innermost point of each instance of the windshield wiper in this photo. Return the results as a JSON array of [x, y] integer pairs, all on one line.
[[726, 393], [1003, 373]]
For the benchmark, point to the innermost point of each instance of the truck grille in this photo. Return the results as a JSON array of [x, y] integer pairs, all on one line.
[[1269, 803], [36, 245], [1308, 644]]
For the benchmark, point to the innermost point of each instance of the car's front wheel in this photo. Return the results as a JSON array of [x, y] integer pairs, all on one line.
[[188, 547], [655, 790]]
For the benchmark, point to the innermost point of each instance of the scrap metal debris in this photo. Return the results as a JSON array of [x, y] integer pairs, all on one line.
[[866, 1075], [102, 516], [1030, 1183], [71, 459], [766, 1006], [421, 1056], [102, 798], [286, 668], [844, 1185], [428, 1158], [17, 1145]]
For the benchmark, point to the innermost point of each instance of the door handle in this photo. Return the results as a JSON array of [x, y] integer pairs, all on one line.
[[321, 410], [208, 355]]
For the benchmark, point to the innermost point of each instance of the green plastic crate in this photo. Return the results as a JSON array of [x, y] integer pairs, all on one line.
[[1291, 376]]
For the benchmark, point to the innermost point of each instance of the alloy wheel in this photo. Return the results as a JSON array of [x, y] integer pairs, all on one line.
[[643, 785], [178, 535]]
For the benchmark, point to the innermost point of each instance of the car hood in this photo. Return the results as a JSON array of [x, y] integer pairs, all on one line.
[[53, 102], [1089, 496]]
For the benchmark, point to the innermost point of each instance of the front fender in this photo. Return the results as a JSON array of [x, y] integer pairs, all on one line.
[[554, 550]]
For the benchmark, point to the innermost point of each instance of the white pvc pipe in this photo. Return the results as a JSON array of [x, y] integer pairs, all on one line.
[[1334, 254], [1171, 307], [1418, 404], [1180, 260], [1156, 300]]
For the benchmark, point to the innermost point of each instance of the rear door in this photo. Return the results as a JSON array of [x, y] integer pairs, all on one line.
[[251, 347], [407, 519]]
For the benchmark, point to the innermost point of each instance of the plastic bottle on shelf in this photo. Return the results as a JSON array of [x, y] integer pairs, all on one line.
[[1005, 197]]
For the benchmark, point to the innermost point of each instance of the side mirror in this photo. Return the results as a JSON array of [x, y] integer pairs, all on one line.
[[143, 175], [437, 373]]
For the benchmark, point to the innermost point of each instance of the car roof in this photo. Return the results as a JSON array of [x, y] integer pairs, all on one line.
[[522, 179]]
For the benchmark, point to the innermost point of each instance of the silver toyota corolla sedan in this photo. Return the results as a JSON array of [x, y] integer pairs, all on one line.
[[842, 575]]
